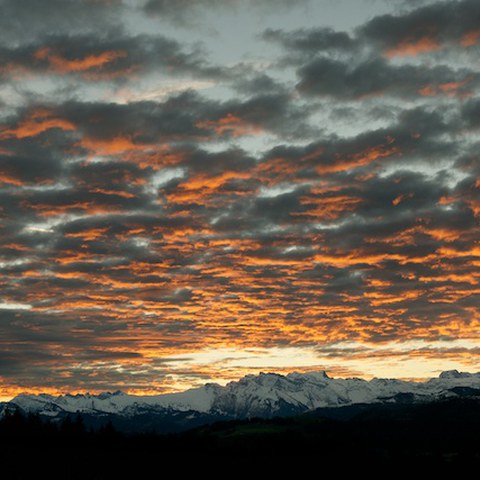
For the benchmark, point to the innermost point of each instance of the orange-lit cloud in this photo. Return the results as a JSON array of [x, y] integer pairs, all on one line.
[[361, 159], [404, 196], [63, 65], [111, 146], [200, 187], [35, 123], [448, 88], [470, 39], [10, 179], [232, 125], [412, 47], [329, 207]]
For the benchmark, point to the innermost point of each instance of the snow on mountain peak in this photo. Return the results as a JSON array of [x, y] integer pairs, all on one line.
[[265, 394]]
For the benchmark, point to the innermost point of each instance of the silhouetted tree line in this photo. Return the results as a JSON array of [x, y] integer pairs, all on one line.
[[443, 435], [15, 425]]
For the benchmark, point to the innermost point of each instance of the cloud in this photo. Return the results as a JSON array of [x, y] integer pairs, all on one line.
[[144, 126], [112, 56], [324, 199], [312, 41], [379, 57], [68, 16], [425, 29], [471, 111]]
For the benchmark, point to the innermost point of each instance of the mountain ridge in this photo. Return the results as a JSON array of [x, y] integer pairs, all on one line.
[[264, 395]]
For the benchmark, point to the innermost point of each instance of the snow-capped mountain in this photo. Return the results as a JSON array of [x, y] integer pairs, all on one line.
[[261, 395]]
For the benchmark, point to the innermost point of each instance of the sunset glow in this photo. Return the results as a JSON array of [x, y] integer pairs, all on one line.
[[309, 200]]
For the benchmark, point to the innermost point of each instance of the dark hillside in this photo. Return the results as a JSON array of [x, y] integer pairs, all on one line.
[[441, 435]]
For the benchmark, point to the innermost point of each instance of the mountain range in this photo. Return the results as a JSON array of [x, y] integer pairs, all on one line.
[[265, 395]]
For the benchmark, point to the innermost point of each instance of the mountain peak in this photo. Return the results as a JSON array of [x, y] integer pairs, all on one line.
[[262, 395], [315, 375], [454, 374], [105, 395]]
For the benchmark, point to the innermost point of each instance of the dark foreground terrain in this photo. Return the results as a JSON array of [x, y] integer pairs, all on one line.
[[379, 439]]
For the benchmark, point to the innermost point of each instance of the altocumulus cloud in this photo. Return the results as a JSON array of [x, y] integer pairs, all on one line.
[[322, 196]]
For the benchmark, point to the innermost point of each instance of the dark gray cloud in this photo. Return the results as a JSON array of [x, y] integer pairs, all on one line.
[[471, 113], [113, 56], [425, 29], [313, 41], [184, 117], [69, 16], [341, 79], [329, 196], [364, 63], [41, 168], [434, 24]]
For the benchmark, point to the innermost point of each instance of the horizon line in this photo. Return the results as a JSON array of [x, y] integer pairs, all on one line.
[[95, 393]]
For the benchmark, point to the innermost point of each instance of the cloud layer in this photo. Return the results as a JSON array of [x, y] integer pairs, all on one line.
[[326, 202]]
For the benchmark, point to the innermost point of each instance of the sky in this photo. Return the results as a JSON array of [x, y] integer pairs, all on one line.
[[194, 190]]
